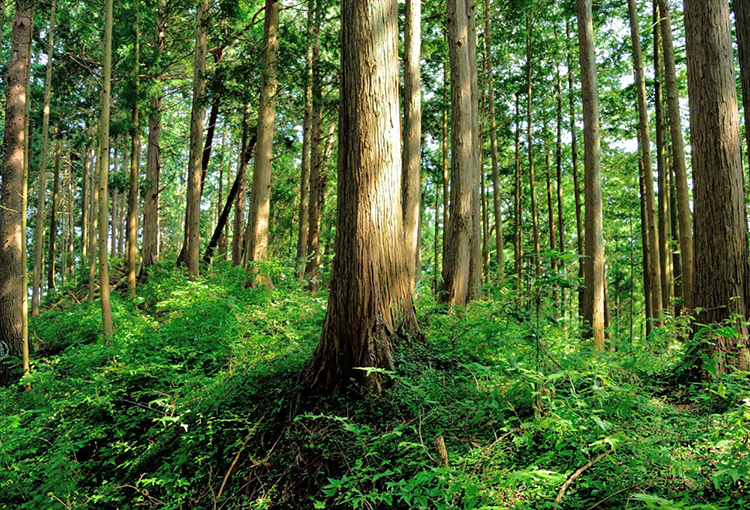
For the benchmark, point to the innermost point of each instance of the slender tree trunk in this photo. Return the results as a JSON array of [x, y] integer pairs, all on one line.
[[457, 255], [304, 193], [412, 145], [113, 222], [318, 181], [93, 226], [192, 209], [25, 354], [518, 203], [104, 174], [496, 191], [742, 27], [71, 208], [678, 158], [665, 256], [594, 264], [558, 171], [135, 157], [647, 293], [238, 239], [722, 290], [446, 166], [42, 178], [260, 199], [644, 139], [530, 148], [370, 303], [12, 292], [475, 266], [53, 218], [676, 256], [85, 192]]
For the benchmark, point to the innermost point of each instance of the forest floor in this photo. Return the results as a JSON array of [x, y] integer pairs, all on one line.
[[198, 403]]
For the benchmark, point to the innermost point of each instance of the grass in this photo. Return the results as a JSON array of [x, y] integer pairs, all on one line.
[[197, 403]]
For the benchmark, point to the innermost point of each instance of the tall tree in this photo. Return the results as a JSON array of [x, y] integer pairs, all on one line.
[[42, 177], [103, 159], [593, 310], [644, 139], [530, 149], [370, 303], [722, 284], [12, 292], [135, 158], [678, 158], [239, 208], [412, 152], [193, 209], [260, 199], [459, 232], [742, 27], [53, 218]]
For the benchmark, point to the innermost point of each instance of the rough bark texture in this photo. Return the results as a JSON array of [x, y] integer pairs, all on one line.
[[721, 252], [12, 292], [36, 280], [412, 154], [238, 238], [370, 302], [107, 327], [644, 139], [475, 267], [594, 266], [260, 199], [742, 27], [457, 254], [678, 159]]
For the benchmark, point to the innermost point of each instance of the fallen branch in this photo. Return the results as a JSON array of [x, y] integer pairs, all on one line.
[[236, 458], [578, 473], [626, 489]]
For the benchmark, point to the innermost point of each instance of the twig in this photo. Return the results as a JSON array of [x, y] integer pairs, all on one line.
[[623, 490], [236, 458], [578, 473]]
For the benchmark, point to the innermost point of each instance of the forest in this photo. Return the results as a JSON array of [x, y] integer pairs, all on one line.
[[370, 254]]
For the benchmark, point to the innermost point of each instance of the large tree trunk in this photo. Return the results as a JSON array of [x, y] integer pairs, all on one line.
[[475, 267], [370, 299], [304, 194], [12, 292], [644, 139], [457, 254], [192, 208], [722, 289], [135, 158], [107, 327], [742, 27], [678, 158], [53, 218], [260, 199], [412, 153], [594, 264], [42, 178]]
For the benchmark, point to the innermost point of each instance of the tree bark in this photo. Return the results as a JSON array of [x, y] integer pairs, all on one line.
[[12, 292], [475, 267], [93, 226], [594, 242], [530, 149], [457, 255], [678, 158], [260, 199], [644, 138], [53, 219], [412, 145], [135, 158], [107, 326], [370, 303], [721, 262], [36, 280], [192, 208], [518, 203], [238, 239]]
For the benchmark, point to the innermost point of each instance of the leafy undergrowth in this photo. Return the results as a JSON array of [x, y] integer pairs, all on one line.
[[198, 403]]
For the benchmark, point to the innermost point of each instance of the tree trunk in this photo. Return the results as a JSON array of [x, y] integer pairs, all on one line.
[[742, 27], [135, 158], [457, 255], [93, 226], [192, 208], [530, 148], [53, 219], [644, 138], [558, 170], [85, 192], [104, 174], [318, 181], [499, 238], [594, 264], [12, 292], [304, 193], [238, 239], [475, 267], [412, 145], [446, 166], [260, 199], [42, 178], [678, 158], [665, 255], [370, 299], [721, 262], [646, 250], [71, 230], [518, 203]]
